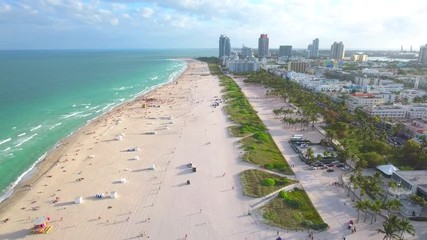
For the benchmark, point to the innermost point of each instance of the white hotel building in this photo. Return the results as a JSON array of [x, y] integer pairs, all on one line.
[[388, 112], [363, 100]]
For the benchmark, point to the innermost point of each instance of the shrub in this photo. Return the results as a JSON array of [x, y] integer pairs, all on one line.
[[306, 223], [268, 166], [268, 182], [291, 203], [282, 194], [320, 226]]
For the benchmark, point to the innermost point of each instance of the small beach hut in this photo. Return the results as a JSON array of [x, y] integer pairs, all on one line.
[[40, 225], [119, 137], [136, 158], [78, 200], [122, 180], [113, 195]]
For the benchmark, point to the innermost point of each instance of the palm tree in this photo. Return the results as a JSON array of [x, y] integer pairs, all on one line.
[[392, 205], [390, 228], [405, 226], [375, 208], [366, 206], [360, 206]]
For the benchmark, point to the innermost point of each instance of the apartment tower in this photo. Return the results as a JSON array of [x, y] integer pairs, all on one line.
[[224, 46], [263, 51], [337, 51]]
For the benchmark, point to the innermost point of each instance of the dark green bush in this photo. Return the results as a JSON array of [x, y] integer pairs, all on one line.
[[320, 226], [268, 182], [306, 223], [291, 203], [268, 166]]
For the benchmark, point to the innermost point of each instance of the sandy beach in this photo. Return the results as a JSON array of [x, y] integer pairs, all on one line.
[[178, 125], [140, 151]]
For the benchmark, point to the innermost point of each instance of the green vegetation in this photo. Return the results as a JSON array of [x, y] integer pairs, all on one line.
[[293, 210], [361, 140], [257, 183], [259, 147]]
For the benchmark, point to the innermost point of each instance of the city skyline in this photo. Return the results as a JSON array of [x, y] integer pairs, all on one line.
[[125, 24]]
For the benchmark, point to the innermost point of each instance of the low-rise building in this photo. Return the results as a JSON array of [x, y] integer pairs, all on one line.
[[363, 100], [413, 181], [416, 111], [410, 94], [298, 66], [388, 112], [242, 66], [359, 58]]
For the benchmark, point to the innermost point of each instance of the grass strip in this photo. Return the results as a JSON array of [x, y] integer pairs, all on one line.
[[257, 183], [293, 210], [257, 143]]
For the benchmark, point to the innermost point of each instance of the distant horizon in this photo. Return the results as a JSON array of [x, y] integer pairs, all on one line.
[[195, 48]]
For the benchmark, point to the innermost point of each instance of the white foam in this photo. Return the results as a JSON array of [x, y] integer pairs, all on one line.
[[70, 115], [5, 141], [26, 140], [55, 126], [85, 115], [6, 149], [21, 134], [35, 128], [108, 105]]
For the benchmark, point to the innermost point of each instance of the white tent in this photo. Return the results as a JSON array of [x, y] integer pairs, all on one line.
[[113, 195], [387, 169], [78, 200], [122, 180], [119, 137], [136, 158], [153, 167]]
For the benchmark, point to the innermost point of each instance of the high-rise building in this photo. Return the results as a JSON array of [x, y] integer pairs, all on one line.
[[263, 51], [422, 58], [337, 51], [309, 49], [224, 46], [285, 51], [313, 49]]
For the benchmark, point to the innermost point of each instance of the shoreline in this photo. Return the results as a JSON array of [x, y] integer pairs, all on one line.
[[16, 190]]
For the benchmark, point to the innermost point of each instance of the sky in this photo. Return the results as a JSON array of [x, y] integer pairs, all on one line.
[[130, 24]]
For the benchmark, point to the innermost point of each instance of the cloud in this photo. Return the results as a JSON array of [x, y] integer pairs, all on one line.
[[147, 12], [198, 23]]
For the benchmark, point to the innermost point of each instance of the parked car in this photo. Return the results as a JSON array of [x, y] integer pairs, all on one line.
[[346, 168], [312, 168], [330, 170], [331, 165], [323, 167], [341, 165]]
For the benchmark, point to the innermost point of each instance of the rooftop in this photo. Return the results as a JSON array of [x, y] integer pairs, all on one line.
[[418, 177]]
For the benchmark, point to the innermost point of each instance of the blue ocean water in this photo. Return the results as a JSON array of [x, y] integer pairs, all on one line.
[[47, 95]]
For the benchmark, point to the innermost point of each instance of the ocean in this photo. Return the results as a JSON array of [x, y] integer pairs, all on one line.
[[46, 95]]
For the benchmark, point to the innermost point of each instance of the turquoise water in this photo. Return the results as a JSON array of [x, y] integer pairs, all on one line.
[[46, 95]]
